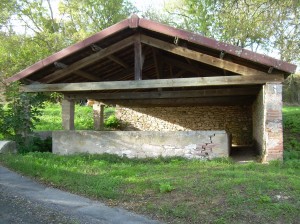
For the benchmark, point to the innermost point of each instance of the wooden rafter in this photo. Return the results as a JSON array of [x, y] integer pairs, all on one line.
[[159, 83], [201, 57], [184, 66], [87, 60], [111, 57]]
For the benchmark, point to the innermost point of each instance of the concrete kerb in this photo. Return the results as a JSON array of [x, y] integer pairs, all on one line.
[[8, 147]]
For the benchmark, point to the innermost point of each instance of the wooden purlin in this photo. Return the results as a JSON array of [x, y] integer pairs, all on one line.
[[166, 94], [157, 83]]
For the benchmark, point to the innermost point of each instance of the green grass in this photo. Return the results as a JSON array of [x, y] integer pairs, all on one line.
[[291, 134], [51, 118], [175, 189]]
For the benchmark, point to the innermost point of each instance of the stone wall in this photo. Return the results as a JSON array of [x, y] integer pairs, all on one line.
[[141, 144], [236, 120]]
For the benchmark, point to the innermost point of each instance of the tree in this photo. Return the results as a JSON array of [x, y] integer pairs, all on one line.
[[47, 27], [261, 25], [90, 16]]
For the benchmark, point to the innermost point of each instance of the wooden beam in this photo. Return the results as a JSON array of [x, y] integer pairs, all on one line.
[[236, 100], [138, 60], [80, 73], [88, 60], [201, 57], [111, 57], [166, 94], [158, 63], [156, 83]]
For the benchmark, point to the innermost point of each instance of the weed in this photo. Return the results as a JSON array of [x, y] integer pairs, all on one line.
[[112, 122], [165, 187]]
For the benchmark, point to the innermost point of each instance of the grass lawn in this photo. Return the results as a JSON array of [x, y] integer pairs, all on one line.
[[51, 118], [176, 190], [291, 134]]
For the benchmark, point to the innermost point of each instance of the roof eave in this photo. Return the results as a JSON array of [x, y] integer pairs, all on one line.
[[217, 45], [127, 23]]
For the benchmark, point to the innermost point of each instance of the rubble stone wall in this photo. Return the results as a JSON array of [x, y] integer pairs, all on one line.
[[236, 120]]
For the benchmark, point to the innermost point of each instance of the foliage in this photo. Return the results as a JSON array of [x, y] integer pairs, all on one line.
[[32, 30], [291, 89], [112, 122], [50, 118], [165, 187], [291, 134], [263, 25], [232, 192], [18, 116]]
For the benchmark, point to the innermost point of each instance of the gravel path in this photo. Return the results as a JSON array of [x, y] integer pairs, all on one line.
[[14, 208]]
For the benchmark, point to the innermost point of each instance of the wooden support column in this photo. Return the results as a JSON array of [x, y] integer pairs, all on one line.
[[98, 109], [138, 59], [68, 109]]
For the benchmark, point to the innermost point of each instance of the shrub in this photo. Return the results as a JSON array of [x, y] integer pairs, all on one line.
[[18, 116], [112, 122]]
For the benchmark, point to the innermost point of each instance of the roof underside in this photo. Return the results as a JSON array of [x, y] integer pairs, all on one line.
[[139, 49]]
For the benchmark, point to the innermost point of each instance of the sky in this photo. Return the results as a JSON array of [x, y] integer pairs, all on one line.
[[144, 4]]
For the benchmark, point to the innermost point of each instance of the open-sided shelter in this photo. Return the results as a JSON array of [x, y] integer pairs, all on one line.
[[167, 79]]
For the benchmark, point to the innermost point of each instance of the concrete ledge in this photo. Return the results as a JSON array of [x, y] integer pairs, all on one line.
[[8, 147], [141, 144]]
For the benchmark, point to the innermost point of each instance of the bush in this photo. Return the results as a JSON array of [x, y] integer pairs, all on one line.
[[112, 122], [36, 144], [18, 116]]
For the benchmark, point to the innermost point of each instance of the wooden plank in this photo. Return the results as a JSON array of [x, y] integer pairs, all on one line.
[[86, 75], [88, 60], [201, 57], [118, 61], [166, 94], [138, 61], [232, 100], [156, 83], [80, 73]]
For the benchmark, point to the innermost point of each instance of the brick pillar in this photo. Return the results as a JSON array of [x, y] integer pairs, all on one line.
[[273, 122], [98, 109], [68, 108]]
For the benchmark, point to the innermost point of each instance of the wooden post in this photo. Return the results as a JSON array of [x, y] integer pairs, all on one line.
[[138, 59], [98, 109], [68, 109]]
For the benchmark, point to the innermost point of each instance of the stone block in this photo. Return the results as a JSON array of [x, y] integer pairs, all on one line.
[[142, 144], [8, 147]]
